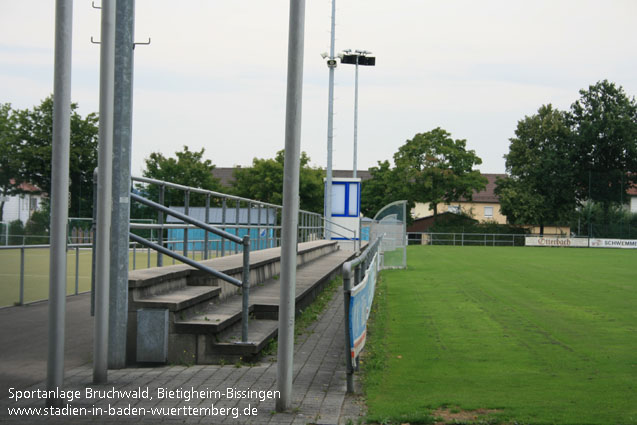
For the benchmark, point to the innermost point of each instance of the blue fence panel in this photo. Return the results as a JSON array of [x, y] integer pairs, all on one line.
[[259, 239]]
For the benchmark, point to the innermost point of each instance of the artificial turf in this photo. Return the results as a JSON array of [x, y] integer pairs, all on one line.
[[36, 272], [533, 335]]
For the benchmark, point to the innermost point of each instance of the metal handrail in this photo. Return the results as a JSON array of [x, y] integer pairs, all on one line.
[[186, 260], [352, 239], [353, 264], [212, 193], [309, 222], [192, 226], [339, 225], [186, 218]]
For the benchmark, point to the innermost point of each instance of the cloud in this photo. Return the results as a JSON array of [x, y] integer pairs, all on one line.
[[215, 73]]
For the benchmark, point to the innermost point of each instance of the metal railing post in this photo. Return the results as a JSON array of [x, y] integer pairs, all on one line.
[[357, 275], [347, 287], [160, 218], [236, 222], [245, 289], [259, 228], [224, 206], [77, 270], [186, 211], [249, 218], [21, 302], [207, 220]]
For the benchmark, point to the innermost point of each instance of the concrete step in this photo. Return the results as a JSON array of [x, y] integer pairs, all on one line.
[[214, 321], [219, 327], [204, 320], [179, 299], [260, 332]]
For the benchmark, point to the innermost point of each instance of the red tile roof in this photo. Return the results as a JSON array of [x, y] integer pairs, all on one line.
[[26, 187], [488, 194]]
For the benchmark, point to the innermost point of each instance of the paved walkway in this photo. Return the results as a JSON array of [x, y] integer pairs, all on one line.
[[225, 394]]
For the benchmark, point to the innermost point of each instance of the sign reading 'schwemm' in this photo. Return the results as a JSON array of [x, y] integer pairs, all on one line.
[[360, 304]]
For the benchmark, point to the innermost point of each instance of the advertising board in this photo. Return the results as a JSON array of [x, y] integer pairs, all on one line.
[[556, 241], [580, 242], [614, 243], [360, 305]]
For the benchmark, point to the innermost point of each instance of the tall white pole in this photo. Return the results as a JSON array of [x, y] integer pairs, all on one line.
[[59, 195], [290, 219], [355, 117], [330, 127], [104, 191]]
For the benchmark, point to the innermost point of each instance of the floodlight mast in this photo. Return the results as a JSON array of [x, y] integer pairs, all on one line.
[[359, 57], [331, 64]]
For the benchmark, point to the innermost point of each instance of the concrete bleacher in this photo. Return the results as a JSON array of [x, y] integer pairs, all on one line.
[[204, 313]]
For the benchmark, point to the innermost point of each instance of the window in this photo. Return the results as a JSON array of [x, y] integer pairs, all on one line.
[[488, 212], [338, 199], [346, 199]]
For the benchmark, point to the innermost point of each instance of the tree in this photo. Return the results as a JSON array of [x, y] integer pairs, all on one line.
[[9, 165], [34, 135], [188, 168], [263, 181], [435, 168], [540, 188], [604, 122], [384, 187]]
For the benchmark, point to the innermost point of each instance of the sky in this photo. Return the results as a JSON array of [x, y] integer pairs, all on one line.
[[214, 75]]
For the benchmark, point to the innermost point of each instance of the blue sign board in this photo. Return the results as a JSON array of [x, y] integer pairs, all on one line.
[[360, 305]]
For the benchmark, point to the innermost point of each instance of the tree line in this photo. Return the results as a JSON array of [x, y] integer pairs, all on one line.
[[563, 162], [560, 165], [25, 153]]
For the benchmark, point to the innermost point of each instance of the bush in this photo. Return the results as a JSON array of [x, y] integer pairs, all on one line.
[[16, 232], [615, 222], [37, 228]]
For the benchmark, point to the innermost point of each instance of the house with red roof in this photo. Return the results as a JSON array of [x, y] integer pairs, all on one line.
[[22, 206], [483, 206]]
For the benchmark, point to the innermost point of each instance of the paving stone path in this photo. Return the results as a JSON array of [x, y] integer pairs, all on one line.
[[318, 397]]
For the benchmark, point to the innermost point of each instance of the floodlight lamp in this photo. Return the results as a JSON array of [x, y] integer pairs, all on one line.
[[324, 55]]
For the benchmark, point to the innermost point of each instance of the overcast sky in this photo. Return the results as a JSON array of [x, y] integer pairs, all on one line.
[[214, 75]]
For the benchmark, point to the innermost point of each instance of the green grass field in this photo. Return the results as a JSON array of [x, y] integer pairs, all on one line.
[[36, 272], [505, 335]]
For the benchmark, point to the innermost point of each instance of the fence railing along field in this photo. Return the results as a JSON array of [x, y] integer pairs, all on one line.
[[24, 259], [465, 239], [25, 272]]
